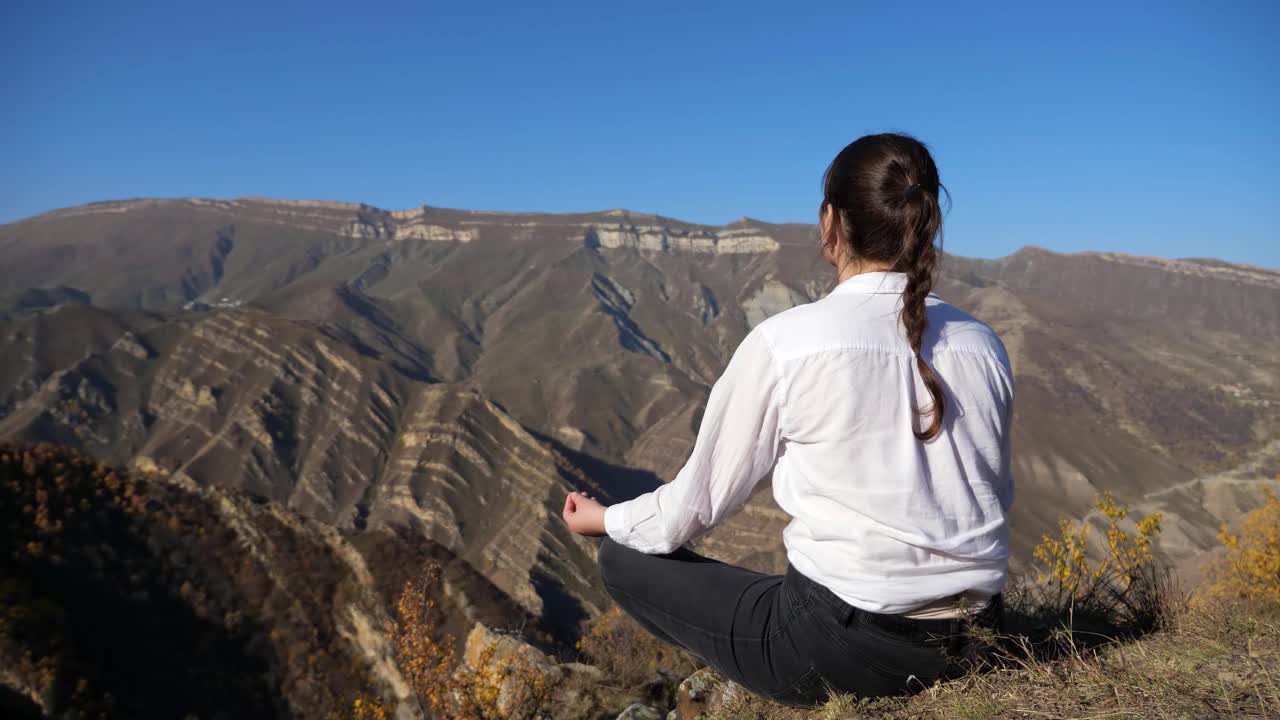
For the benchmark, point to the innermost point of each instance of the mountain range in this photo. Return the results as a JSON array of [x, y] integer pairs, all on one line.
[[448, 375]]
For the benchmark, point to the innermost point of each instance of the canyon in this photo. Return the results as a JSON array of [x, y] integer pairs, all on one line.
[[448, 375]]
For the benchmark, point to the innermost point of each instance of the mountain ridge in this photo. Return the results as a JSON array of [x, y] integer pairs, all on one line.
[[521, 358], [1264, 275]]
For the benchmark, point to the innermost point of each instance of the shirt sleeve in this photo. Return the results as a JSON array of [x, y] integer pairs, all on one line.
[[737, 444]]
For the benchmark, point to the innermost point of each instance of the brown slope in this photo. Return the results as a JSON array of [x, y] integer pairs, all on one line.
[[604, 330], [447, 297], [1238, 299], [241, 399], [111, 576]]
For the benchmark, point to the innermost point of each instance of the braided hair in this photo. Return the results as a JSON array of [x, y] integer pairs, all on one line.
[[884, 193]]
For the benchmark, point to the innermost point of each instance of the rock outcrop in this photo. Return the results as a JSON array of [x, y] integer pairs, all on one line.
[[666, 239]]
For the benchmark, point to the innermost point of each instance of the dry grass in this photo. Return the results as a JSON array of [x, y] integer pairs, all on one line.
[[1211, 660], [1094, 635], [1108, 638], [629, 655]]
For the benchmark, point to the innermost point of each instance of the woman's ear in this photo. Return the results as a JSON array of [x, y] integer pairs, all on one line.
[[829, 233]]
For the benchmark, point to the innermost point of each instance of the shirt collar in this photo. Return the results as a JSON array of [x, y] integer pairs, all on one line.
[[881, 282]]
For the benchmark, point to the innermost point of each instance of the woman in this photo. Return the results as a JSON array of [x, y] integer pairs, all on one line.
[[883, 413]]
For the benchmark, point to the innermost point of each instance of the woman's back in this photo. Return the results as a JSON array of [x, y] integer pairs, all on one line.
[[887, 522]]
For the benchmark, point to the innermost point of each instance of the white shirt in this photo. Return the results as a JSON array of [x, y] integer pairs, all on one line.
[[823, 394]]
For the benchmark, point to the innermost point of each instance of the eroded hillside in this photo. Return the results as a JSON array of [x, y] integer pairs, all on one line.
[[132, 595], [452, 372]]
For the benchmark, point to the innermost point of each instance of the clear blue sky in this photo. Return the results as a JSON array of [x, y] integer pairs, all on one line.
[[1146, 128]]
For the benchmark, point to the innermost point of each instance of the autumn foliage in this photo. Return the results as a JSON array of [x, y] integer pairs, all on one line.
[[1251, 568], [487, 688], [1120, 584]]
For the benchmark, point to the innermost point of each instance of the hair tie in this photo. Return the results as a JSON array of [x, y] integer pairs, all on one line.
[[912, 187]]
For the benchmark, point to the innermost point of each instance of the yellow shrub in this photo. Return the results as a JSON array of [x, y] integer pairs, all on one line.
[[1128, 554], [1251, 569], [1122, 586], [491, 688]]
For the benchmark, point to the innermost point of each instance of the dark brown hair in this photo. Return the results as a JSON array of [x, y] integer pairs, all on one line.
[[884, 189]]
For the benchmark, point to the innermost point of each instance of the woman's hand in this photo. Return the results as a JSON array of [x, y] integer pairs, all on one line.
[[583, 514]]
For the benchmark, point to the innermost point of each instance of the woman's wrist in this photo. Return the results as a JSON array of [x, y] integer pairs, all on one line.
[[584, 514]]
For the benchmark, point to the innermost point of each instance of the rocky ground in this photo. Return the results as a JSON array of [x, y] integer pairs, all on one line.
[[1212, 661]]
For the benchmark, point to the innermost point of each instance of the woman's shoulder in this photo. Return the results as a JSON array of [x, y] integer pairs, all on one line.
[[794, 327], [954, 329], [835, 323], [873, 323]]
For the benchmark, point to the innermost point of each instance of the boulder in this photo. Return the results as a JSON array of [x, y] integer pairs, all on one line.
[[695, 693], [504, 647], [484, 645]]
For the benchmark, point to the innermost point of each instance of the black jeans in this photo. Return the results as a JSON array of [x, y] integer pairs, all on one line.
[[785, 637]]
